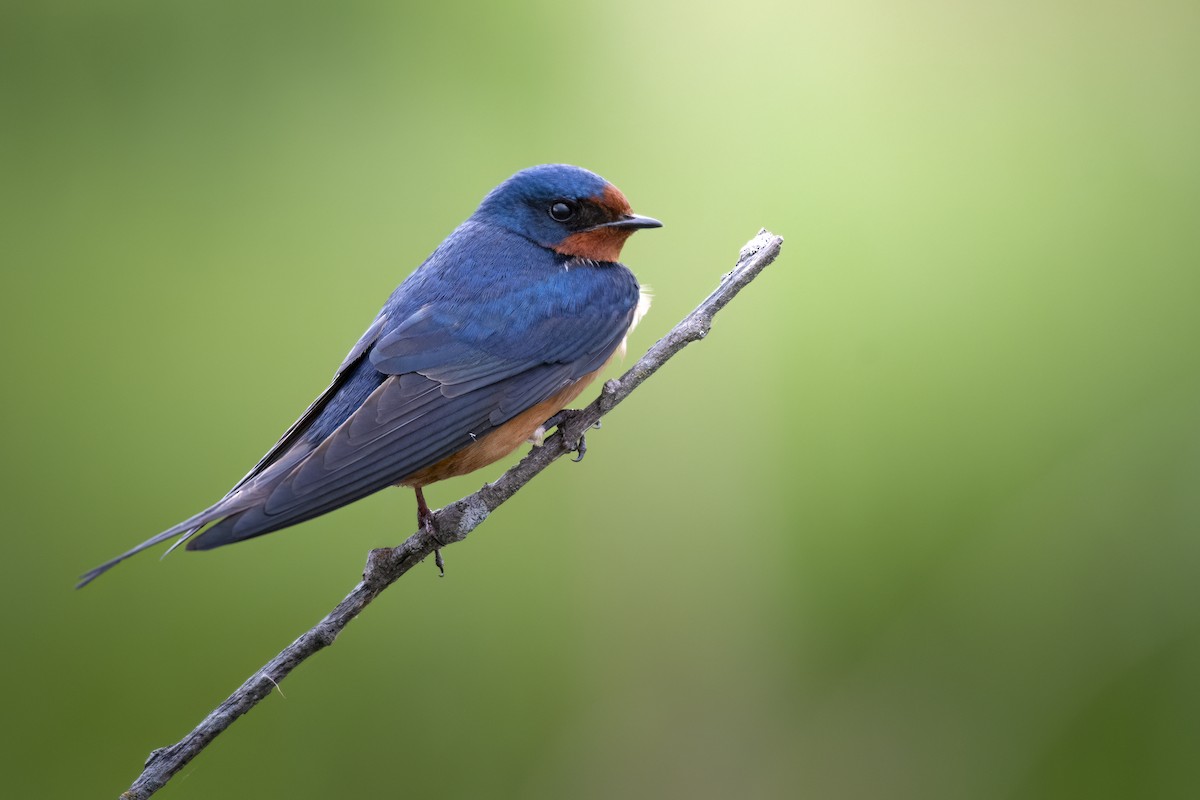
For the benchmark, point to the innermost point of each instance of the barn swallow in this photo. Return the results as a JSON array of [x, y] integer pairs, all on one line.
[[509, 319]]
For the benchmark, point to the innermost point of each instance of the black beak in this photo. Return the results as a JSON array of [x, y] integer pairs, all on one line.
[[633, 221]]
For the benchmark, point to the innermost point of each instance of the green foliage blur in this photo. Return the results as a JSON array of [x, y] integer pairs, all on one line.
[[921, 518]]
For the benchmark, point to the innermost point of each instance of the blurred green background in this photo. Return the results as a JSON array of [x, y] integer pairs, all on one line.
[[920, 518]]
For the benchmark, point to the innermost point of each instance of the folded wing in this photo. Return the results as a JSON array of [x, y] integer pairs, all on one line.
[[449, 377]]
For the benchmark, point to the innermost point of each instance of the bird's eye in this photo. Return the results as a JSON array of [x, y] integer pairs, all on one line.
[[562, 210]]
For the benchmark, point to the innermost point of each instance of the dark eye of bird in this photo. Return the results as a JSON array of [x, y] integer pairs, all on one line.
[[562, 210]]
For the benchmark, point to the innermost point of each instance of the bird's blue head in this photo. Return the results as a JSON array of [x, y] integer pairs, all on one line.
[[566, 209]]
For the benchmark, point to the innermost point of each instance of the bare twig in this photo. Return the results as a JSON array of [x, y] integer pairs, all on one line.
[[452, 523]]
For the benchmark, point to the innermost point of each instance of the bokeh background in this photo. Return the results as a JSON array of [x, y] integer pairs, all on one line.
[[919, 520]]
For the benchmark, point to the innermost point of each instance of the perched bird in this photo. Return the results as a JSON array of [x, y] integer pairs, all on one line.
[[497, 331]]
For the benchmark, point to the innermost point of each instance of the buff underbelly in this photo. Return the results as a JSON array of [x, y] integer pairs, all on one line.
[[500, 442]]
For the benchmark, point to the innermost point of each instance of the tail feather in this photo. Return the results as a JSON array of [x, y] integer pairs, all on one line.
[[245, 494], [183, 530]]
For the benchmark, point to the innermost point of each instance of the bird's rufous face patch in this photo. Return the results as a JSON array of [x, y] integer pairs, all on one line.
[[613, 201], [601, 244]]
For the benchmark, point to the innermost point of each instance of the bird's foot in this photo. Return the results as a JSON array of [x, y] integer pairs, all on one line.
[[426, 523], [562, 420], [431, 531]]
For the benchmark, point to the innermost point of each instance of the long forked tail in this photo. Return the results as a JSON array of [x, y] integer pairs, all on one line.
[[183, 530]]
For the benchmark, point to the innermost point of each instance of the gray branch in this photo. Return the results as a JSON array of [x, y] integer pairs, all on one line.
[[452, 523]]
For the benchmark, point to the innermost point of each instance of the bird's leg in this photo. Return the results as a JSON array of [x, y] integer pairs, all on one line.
[[563, 418], [425, 523]]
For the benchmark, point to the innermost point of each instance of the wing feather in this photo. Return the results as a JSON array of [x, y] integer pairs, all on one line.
[[301, 425], [449, 374]]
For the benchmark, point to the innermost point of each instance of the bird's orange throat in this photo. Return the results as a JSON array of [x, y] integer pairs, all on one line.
[[601, 244], [598, 244]]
